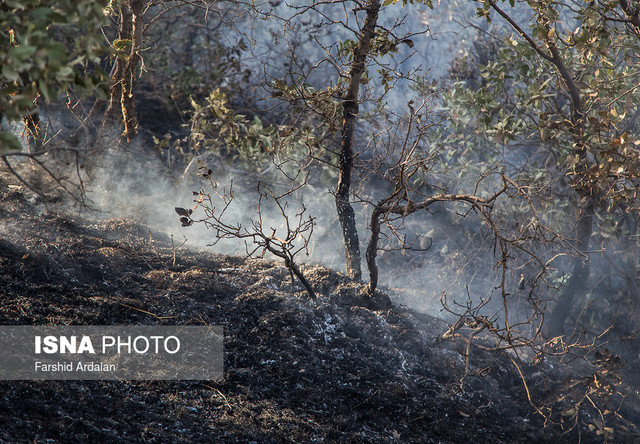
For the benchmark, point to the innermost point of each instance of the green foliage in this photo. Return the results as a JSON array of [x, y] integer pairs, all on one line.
[[514, 104], [9, 142], [121, 48], [303, 97], [191, 55], [216, 126], [523, 98], [46, 48]]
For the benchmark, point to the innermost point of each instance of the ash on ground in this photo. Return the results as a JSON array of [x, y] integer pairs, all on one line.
[[335, 369]]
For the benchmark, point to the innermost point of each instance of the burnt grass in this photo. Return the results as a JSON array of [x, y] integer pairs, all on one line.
[[336, 369]]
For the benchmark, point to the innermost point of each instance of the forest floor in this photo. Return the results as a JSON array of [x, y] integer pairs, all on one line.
[[335, 369]]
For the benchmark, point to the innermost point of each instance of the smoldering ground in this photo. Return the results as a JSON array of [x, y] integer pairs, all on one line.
[[294, 368], [130, 183], [145, 182]]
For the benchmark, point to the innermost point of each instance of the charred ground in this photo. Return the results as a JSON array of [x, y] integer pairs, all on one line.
[[337, 369]]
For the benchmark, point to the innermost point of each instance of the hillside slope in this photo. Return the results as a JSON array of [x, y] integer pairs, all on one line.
[[296, 370]]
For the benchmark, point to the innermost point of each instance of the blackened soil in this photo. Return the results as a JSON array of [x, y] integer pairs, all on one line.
[[337, 369]]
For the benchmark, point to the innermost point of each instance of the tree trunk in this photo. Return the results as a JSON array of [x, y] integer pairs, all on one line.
[[121, 104], [372, 250], [581, 269], [346, 215], [113, 110], [577, 283], [129, 114]]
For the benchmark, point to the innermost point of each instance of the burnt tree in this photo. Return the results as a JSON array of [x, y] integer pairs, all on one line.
[[121, 104], [576, 284], [350, 108]]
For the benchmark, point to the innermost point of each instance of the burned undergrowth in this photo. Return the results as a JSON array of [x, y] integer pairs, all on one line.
[[338, 368]]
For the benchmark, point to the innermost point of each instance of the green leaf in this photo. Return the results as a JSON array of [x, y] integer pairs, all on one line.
[[101, 91], [56, 52], [122, 43], [9, 73], [48, 91], [22, 103], [65, 74], [387, 2], [41, 13], [15, 4], [19, 53], [266, 141], [9, 142], [9, 90]]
